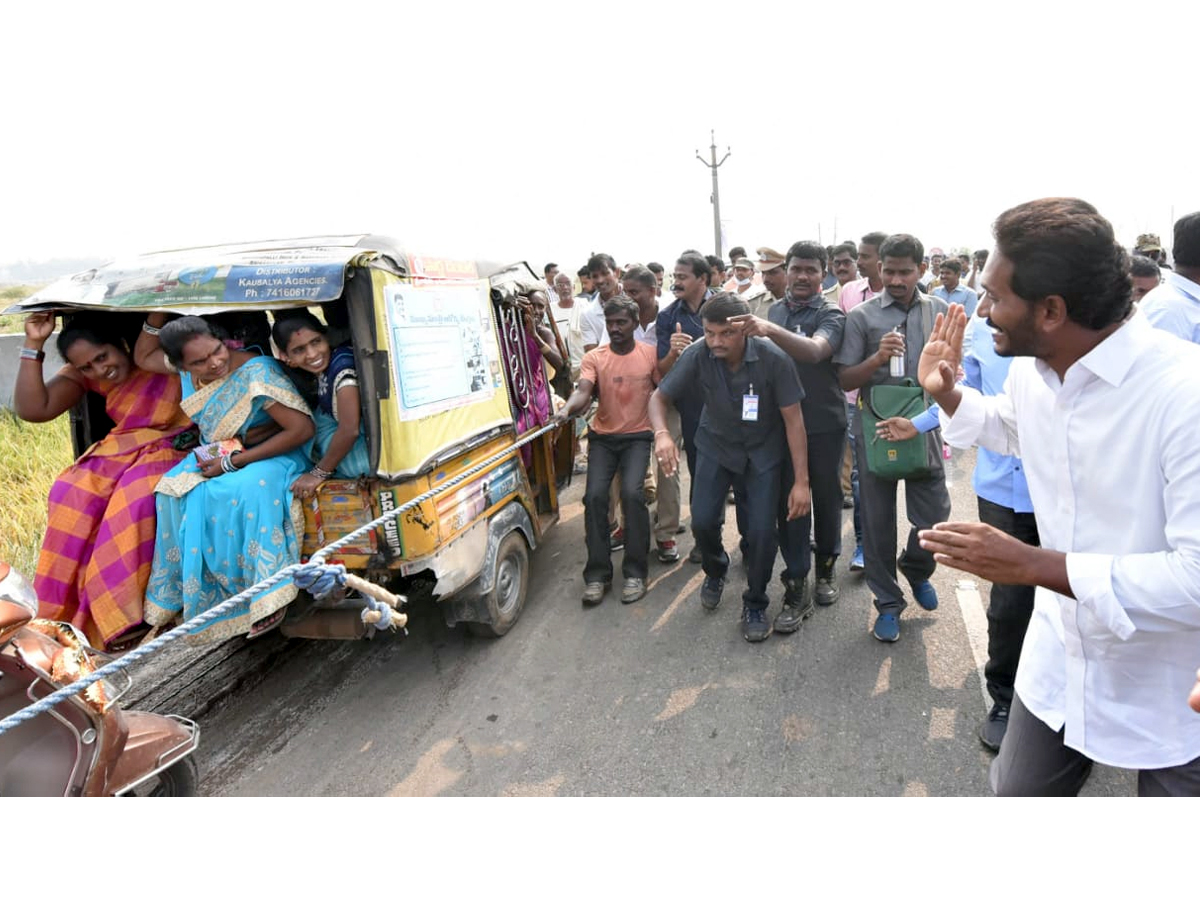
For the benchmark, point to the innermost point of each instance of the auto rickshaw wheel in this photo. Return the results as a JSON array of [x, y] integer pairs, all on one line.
[[510, 585]]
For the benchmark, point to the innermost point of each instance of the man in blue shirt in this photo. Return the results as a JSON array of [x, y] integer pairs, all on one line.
[[1174, 305], [952, 290], [675, 329]]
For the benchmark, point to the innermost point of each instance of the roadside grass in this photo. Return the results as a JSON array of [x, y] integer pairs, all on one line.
[[8, 296], [31, 457]]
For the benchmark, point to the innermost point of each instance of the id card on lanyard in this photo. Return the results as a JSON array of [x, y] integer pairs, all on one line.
[[750, 406]]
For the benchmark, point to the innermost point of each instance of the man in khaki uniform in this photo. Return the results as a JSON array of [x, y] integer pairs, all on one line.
[[774, 279]]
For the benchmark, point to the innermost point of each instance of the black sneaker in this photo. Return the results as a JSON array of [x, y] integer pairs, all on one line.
[[797, 605], [991, 732], [695, 556], [755, 626], [826, 591], [710, 592]]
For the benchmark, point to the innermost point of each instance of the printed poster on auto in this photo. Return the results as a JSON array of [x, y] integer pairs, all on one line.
[[445, 350], [272, 274]]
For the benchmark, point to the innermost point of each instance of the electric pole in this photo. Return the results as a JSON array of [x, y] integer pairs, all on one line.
[[716, 194]]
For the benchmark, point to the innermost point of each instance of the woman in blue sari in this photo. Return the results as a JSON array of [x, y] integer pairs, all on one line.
[[340, 448], [227, 520]]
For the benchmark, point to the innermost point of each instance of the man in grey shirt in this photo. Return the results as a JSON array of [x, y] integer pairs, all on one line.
[[898, 322]]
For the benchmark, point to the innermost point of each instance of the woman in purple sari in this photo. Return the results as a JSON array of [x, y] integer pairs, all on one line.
[[528, 344]]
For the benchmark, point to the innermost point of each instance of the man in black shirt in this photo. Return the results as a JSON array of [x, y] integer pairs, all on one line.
[[808, 327], [751, 420]]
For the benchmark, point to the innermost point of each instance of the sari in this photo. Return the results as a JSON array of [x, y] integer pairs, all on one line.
[[95, 559], [528, 387], [219, 536], [339, 373]]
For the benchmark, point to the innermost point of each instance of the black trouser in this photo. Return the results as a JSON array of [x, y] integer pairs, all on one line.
[[825, 453], [851, 415], [1009, 608], [928, 503], [689, 421], [711, 484], [608, 454]]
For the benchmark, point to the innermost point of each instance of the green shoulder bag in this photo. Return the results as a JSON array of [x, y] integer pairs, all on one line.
[[894, 460]]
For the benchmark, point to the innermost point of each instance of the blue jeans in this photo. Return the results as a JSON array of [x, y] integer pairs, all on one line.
[[608, 454], [760, 539]]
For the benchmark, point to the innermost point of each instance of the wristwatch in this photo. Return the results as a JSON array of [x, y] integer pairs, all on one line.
[[30, 353]]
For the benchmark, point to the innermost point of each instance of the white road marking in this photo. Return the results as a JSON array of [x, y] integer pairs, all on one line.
[[974, 614]]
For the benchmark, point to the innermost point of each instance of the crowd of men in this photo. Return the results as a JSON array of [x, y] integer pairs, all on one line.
[[1056, 355]]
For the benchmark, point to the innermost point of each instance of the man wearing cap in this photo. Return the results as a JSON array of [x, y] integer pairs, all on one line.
[[743, 280], [1174, 305], [1149, 245], [774, 282]]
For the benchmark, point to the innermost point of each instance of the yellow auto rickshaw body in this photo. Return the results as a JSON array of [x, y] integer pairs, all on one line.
[[445, 383]]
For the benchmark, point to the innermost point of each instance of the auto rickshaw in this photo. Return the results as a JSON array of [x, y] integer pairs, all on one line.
[[445, 383]]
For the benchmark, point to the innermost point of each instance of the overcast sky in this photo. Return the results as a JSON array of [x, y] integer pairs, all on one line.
[[538, 132]]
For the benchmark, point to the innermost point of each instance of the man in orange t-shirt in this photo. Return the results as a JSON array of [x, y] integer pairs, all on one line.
[[622, 375]]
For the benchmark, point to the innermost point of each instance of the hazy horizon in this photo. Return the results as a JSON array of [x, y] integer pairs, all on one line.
[[532, 133]]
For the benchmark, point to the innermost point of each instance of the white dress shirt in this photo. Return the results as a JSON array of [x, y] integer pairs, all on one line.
[[591, 323], [1112, 457], [642, 334], [568, 321], [1174, 306]]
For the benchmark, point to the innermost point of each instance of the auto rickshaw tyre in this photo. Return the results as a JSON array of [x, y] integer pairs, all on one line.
[[510, 586]]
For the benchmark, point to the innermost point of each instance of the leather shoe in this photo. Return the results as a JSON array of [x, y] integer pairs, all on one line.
[[826, 591], [991, 732], [797, 605]]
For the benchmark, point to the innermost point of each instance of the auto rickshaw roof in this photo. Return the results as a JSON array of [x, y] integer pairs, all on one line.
[[272, 274]]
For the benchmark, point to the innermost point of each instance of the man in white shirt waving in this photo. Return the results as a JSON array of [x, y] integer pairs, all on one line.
[[1106, 411]]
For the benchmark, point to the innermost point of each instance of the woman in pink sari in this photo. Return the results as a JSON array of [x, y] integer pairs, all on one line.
[[95, 558]]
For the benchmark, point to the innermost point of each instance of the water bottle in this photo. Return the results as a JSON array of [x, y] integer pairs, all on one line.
[[896, 363]]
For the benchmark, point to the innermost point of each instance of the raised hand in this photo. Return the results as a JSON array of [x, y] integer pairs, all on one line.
[[679, 340], [751, 325], [38, 327], [941, 357]]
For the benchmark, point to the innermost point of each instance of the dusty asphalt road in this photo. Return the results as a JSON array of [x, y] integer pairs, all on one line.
[[655, 698]]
